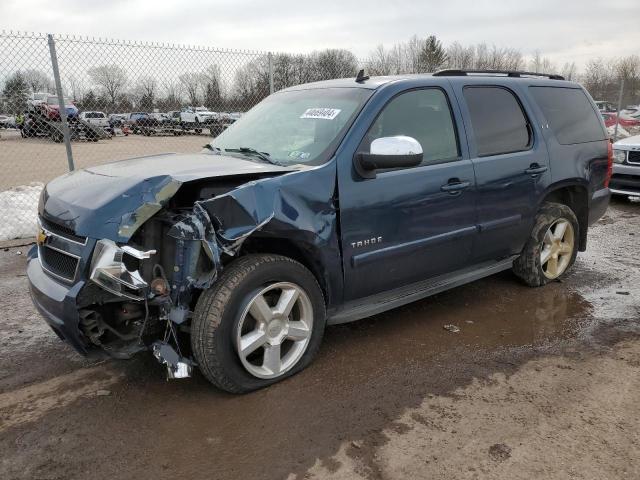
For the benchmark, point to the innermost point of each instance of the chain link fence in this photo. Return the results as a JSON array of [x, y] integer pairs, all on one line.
[[71, 102]]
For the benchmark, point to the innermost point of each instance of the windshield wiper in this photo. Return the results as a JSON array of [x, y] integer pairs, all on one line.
[[264, 156]]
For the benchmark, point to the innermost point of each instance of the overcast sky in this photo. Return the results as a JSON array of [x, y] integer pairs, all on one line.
[[563, 30]]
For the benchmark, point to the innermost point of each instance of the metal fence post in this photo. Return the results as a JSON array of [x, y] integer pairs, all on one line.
[[270, 56], [61, 103], [615, 132]]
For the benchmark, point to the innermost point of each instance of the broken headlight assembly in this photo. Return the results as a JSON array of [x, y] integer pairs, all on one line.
[[109, 271]]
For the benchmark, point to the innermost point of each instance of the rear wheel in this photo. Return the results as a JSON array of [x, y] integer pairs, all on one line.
[[261, 322], [552, 247]]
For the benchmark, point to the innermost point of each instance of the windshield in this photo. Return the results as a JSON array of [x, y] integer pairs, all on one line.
[[299, 126]]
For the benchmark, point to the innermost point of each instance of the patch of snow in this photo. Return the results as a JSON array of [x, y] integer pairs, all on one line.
[[19, 211], [622, 133]]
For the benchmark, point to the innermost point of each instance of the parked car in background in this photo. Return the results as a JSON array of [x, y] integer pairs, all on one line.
[[174, 115], [161, 118], [34, 104], [610, 120], [96, 118], [631, 112], [116, 120], [242, 254], [606, 106], [7, 121], [50, 108], [140, 120], [197, 115], [626, 167]]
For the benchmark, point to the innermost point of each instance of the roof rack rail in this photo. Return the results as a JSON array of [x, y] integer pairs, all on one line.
[[508, 73]]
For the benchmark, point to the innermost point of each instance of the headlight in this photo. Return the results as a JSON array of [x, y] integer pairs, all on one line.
[[619, 156], [109, 271]]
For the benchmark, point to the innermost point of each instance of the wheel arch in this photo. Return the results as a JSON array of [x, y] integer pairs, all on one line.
[[574, 195], [303, 253]]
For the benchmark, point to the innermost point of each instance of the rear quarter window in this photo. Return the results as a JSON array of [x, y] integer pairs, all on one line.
[[499, 124], [569, 114]]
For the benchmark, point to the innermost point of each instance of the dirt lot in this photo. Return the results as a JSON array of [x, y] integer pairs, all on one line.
[[539, 383], [25, 160]]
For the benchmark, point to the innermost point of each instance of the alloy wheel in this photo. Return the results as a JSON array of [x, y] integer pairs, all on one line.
[[274, 330], [557, 248]]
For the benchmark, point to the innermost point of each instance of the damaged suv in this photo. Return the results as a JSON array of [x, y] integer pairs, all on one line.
[[325, 203]]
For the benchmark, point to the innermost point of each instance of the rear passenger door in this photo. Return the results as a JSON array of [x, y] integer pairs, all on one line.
[[511, 167]]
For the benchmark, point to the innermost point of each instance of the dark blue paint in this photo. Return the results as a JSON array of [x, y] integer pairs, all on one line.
[[421, 229]]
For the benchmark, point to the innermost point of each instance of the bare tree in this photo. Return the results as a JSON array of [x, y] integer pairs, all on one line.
[[332, 63], [212, 86], [145, 90], [628, 71], [37, 80], [513, 59], [76, 87], [540, 64], [460, 57], [191, 82], [569, 70], [597, 78], [111, 78], [482, 61], [172, 100], [380, 62]]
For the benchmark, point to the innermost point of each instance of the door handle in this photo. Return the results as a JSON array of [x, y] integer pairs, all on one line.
[[535, 169], [455, 186]]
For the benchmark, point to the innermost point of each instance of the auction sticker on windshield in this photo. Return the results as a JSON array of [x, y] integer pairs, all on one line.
[[321, 113]]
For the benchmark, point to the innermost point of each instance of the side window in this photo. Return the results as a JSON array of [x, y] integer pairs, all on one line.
[[570, 114], [498, 122], [424, 115]]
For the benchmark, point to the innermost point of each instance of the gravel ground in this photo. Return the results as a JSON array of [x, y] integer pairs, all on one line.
[[538, 383], [26, 160]]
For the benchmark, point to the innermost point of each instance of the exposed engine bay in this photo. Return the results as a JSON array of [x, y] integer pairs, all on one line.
[[141, 295]]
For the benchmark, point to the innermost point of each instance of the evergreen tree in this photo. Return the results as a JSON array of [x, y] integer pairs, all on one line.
[[432, 55], [16, 92]]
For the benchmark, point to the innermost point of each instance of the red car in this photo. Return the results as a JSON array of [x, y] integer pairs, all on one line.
[[610, 121], [51, 108]]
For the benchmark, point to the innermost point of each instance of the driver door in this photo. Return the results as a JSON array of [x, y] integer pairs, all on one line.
[[407, 225]]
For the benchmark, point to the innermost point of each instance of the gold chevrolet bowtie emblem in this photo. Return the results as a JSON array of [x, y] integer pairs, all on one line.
[[41, 237]]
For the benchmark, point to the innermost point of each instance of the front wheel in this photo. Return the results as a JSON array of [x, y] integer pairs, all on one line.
[[552, 247], [261, 322]]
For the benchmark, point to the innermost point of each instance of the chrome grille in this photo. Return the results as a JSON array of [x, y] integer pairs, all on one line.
[[62, 231], [58, 263]]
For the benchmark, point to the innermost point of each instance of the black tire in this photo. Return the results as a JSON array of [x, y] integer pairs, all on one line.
[[528, 265], [218, 312]]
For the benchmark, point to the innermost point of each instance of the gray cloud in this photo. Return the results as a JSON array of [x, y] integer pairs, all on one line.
[[570, 30]]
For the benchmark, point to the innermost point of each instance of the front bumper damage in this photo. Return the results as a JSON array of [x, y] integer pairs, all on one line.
[[69, 308], [57, 303], [195, 235], [154, 300]]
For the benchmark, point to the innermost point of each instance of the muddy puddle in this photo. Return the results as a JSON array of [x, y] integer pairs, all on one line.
[[367, 375]]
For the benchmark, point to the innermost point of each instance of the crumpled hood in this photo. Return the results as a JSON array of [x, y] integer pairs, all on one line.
[[113, 200]]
